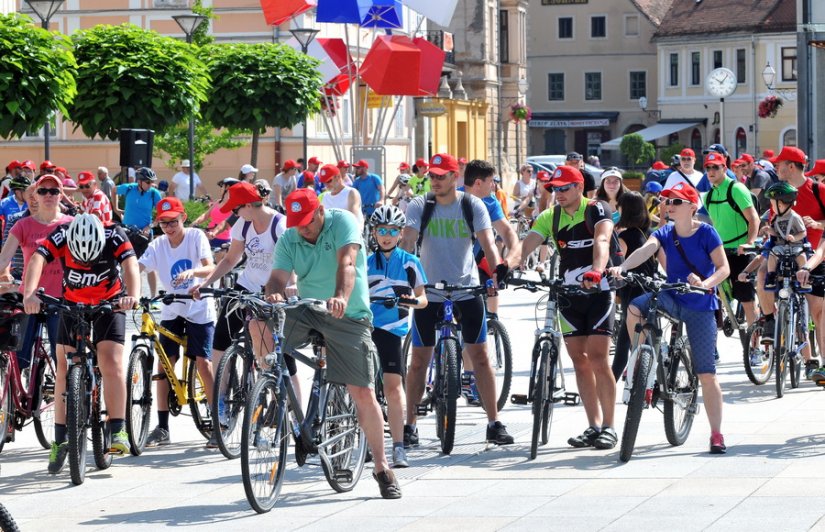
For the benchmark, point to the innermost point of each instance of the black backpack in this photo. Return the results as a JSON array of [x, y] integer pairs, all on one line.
[[616, 257], [734, 206], [429, 208]]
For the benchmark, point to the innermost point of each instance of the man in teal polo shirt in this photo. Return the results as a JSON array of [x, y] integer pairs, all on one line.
[[323, 247]]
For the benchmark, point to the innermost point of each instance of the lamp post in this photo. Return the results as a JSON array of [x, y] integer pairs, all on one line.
[[769, 77], [522, 86], [189, 23], [45, 9], [304, 36]]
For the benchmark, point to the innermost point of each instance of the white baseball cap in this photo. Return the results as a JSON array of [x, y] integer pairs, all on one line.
[[185, 164], [247, 168]]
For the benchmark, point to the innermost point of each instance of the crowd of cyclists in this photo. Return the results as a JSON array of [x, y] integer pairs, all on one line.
[[319, 231]]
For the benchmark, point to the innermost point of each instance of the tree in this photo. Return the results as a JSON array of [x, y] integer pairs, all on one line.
[[636, 149], [255, 86], [175, 142], [37, 75], [666, 154], [131, 77]]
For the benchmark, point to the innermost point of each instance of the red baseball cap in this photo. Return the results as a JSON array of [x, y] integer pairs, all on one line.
[[315, 160], [12, 165], [748, 158], [63, 171], [767, 154], [738, 162], [442, 163], [659, 165], [715, 158], [289, 164], [28, 163], [169, 208], [327, 172], [687, 152], [343, 164], [361, 164], [84, 177], [309, 177], [422, 163], [301, 204], [241, 194], [684, 191], [792, 154], [404, 166], [462, 160], [47, 164], [818, 169], [543, 176], [564, 175], [49, 177]]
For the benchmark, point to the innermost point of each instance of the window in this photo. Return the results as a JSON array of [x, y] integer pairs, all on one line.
[[504, 36], [741, 141], [696, 140], [592, 85], [695, 68], [717, 58], [565, 27], [598, 27], [631, 25], [555, 87], [674, 70], [789, 64], [741, 70], [789, 138], [638, 85]]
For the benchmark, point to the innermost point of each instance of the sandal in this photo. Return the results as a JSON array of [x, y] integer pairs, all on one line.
[[387, 484], [607, 439], [585, 439]]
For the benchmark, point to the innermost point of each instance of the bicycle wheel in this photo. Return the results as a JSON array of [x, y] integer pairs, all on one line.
[[637, 401], [43, 410], [795, 356], [198, 404], [500, 355], [264, 440], [554, 386], [343, 443], [6, 406], [447, 392], [761, 372], [679, 409], [101, 433], [540, 396], [7, 523], [233, 380], [138, 398], [76, 415], [781, 351]]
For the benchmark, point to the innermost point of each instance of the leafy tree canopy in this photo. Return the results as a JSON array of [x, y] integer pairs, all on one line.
[[636, 149], [175, 142]]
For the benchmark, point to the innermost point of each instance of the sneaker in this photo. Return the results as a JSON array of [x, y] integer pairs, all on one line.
[[768, 329], [585, 439], [223, 417], [811, 366], [770, 281], [717, 444], [498, 434], [387, 484], [399, 458], [120, 442], [818, 374], [212, 442], [410, 436], [158, 437], [757, 359], [57, 457], [607, 439]]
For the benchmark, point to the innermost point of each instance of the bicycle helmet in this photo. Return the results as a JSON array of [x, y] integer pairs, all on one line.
[[653, 187], [404, 179], [227, 182], [20, 183], [86, 238], [388, 215], [145, 174], [163, 185], [782, 191]]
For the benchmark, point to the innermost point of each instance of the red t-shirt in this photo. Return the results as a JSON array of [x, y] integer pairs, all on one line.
[[807, 205]]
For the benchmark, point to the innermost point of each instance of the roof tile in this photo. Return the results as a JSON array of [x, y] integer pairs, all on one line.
[[689, 17]]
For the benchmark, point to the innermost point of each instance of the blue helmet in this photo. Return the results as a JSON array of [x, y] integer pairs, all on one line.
[[163, 185], [653, 187]]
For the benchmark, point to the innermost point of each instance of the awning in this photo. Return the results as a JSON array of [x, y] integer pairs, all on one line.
[[662, 129]]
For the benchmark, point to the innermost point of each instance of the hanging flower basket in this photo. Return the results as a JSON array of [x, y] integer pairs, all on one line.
[[520, 112], [770, 106], [330, 105]]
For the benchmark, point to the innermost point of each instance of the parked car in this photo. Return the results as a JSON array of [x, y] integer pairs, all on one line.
[[550, 162]]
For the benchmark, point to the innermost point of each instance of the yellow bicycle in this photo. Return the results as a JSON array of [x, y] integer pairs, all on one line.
[[188, 389]]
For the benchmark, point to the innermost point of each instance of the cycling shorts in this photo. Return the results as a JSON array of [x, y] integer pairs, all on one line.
[[110, 327], [140, 242], [388, 346], [198, 338], [470, 313], [742, 292], [587, 315]]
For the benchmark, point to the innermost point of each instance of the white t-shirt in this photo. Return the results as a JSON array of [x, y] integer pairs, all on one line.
[[161, 257], [525, 189], [259, 248], [182, 181], [287, 184], [675, 178], [341, 201]]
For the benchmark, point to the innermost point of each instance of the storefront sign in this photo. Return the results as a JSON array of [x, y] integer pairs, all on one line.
[[595, 122], [376, 101], [562, 2], [431, 109]]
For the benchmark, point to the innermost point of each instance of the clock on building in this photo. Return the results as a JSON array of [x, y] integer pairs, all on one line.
[[721, 82]]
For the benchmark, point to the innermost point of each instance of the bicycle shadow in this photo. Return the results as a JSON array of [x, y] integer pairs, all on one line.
[[193, 515]]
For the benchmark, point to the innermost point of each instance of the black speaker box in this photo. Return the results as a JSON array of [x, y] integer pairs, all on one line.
[[136, 147]]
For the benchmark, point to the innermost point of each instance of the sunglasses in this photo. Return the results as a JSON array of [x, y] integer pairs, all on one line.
[[564, 188], [383, 231], [438, 177], [170, 223], [48, 191], [84, 187], [237, 209], [675, 201], [712, 167]]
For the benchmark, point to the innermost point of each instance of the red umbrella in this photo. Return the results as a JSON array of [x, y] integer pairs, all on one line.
[[392, 66], [276, 12], [336, 49], [337, 86], [432, 62]]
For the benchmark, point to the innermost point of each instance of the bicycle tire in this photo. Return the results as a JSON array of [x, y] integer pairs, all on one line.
[[682, 381], [76, 429], [233, 382], [198, 404], [795, 359], [349, 451], [780, 353], [752, 343], [43, 411], [101, 433], [553, 378], [7, 523], [539, 398], [138, 399], [6, 406], [264, 440], [636, 404], [447, 395], [501, 360]]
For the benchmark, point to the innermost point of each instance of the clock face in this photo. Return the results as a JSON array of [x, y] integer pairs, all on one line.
[[721, 83]]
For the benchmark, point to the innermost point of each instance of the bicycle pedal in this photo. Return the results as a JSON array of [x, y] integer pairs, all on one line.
[[571, 398], [159, 377], [342, 475], [519, 399], [115, 452], [820, 382], [693, 409], [422, 409]]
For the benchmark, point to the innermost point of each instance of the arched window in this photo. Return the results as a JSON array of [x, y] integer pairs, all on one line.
[[673, 139], [741, 141], [696, 140], [715, 136], [789, 138]]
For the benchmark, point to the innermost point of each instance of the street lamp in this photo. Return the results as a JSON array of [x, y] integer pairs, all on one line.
[[769, 77], [45, 9], [188, 24], [304, 36]]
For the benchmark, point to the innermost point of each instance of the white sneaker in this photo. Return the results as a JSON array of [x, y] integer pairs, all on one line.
[[399, 458]]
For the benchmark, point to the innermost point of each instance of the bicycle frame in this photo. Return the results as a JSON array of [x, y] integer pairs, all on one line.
[[23, 397]]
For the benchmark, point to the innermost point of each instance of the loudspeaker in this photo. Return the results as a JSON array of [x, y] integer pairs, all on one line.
[[136, 147]]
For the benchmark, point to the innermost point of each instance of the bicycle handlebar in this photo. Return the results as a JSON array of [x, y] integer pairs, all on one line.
[[53, 305], [658, 285], [390, 302], [552, 285]]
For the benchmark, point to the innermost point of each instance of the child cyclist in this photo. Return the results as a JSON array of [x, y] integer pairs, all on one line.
[[393, 272], [99, 265]]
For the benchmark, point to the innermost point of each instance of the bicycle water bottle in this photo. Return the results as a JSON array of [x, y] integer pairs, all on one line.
[[664, 349]]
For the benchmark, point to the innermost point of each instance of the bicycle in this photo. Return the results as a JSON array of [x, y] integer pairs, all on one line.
[[7, 522], [188, 389], [658, 370], [329, 428], [546, 385], [19, 402]]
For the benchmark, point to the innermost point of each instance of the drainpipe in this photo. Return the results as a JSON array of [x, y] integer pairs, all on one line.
[[756, 150], [276, 37]]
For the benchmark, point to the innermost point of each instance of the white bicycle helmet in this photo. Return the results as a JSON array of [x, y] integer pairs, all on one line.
[[86, 237], [388, 215]]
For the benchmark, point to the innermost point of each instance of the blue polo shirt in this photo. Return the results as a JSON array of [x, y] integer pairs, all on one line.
[[139, 205], [369, 187]]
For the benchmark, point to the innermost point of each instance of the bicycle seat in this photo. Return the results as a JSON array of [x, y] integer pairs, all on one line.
[[316, 338]]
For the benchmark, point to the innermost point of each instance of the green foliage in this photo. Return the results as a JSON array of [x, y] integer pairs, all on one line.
[[636, 149], [37, 75], [135, 78], [255, 86], [175, 142], [201, 36], [633, 175], [666, 154], [194, 209]]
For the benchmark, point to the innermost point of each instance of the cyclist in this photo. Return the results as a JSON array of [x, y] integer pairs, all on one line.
[[99, 265], [181, 257], [140, 199], [94, 200], [324, 249], [369, 186], [419, 182], [284, 183], [583, 230], [392, 271], [337, 195], [447, 255], [694, 254]]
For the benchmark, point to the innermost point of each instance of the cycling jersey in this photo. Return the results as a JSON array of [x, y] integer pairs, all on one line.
[[730, 224], [401, 269], [95, 282]]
